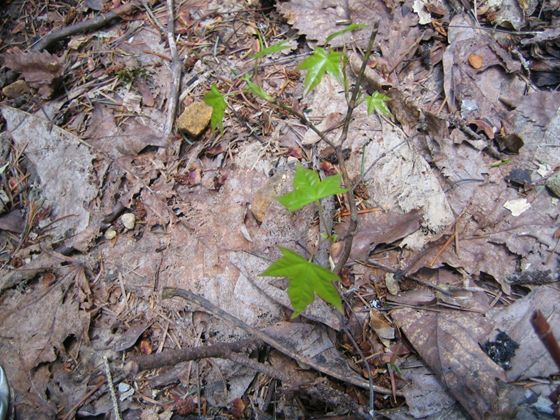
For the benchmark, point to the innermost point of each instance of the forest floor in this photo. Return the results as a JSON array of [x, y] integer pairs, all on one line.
[[133, 235]]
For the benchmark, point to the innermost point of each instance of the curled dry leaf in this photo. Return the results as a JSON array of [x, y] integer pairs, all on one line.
[[41, 70]]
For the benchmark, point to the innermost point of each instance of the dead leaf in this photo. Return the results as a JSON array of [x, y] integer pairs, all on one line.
[[448, 343], [41, 70], [127, 139], [380, 228], [63, 165], [537, 122], [31, 342], [13, 221], [479, 93], [425, 395], [531, 358]]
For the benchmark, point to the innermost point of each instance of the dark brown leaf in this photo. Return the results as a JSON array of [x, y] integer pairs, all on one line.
[[41, 70], [448, 343]]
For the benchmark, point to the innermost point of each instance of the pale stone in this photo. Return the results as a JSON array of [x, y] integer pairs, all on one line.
[[128, 220], [110, 234], [194, 119]]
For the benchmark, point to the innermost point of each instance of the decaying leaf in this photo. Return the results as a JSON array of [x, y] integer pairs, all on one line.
[[41, 70], [56, 155], [479, 90], [449, 344], [531, 359]]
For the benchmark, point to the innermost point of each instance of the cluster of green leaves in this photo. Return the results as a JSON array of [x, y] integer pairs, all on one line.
[[305, 279]]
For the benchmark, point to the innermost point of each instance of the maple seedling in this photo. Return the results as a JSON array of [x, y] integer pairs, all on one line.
[[305, 280], [217, 100], [309, 188], [377, 102]]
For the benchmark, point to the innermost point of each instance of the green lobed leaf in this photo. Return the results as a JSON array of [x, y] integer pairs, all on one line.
[[217, 101], [377, 103], [308, 188], [305, 280], [273, 49], [318, 64], [349, 28], [256, 89]]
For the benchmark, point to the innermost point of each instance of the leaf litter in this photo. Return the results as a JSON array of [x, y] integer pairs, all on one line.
[[460, 112]]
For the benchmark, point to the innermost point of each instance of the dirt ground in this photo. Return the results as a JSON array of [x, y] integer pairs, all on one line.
[[134, 227]]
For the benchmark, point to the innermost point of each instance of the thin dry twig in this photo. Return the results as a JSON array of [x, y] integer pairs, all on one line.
[[173, 357], [85, 26], [175, 74], [170, 292], [544, 331], [111, 386], [353, 224]]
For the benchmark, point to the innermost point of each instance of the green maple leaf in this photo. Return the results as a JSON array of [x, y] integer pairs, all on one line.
[[305, 280], [318, 64], [376, 103], [308, 188], [217, 100]]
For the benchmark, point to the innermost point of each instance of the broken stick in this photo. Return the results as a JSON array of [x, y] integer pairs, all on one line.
[[170, 292], [85, 26]]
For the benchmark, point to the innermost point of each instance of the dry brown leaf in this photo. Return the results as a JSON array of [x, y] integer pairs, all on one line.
[[30, 341], [380, 228], [63, 165], [448, 343], [531, 359], [127, 139], [479, 92], [41, 70]]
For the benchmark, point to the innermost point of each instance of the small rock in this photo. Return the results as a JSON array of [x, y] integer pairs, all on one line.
[[553, 184], [110, 234], [128, 220], [194, 119], [16, 89]]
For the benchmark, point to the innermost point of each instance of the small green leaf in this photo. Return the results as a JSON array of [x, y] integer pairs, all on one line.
[[217, 101], [349, 28], [499, 163], [305, 280], [256, 89], [308, 188], [273, 49], [376, 103], [319, 63]]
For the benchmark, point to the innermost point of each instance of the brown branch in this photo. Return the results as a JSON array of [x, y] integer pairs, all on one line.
[[170, 292], [353, 224], [175, 74], [303, 119], [173, 357], [85, 26], [544, 331]]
